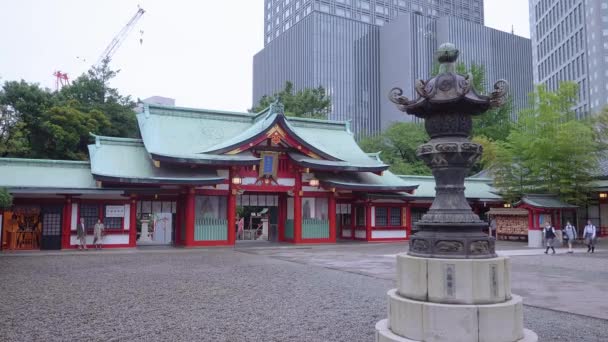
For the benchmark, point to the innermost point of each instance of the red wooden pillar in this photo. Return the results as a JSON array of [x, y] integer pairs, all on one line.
[[189, 238], [530, 219], [297, 209], [177, 221], [353, 219], [282, 216], [133, 221], [368, 221], [331, 211], [408, 220], [67, 222], [231, 209]]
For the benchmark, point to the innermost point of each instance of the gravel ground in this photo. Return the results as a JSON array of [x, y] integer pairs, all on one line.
[[207, 295]]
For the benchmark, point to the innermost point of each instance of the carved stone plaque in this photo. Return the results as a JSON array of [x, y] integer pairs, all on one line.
[[450, 280]]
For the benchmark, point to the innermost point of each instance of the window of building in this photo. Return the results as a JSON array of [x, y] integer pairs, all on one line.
[[379, 21], [395, 216], [365, 18], [381, 217], [364, 4], [112, 222], [90, 214], [380, 9], [324, 8]]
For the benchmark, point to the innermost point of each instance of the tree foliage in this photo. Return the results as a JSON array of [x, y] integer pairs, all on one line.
[[6, 200], [398, 146], [548, 151], [306, 103], [38, 123]]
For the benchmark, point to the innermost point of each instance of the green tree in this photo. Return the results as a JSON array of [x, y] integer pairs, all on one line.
[[66, 132], [306, 103], [6, 200], [398, 146], [38, 123], [548, 151], [22, 105], [91, 92]]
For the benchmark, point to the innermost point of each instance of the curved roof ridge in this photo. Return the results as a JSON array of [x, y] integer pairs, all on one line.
[[194, 112], [58, 162], [99, 139], [309, 122]]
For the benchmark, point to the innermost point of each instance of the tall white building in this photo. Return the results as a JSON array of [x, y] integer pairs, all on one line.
[[570, 43]]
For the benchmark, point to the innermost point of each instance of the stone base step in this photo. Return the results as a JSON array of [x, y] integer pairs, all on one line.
[[384, 334]]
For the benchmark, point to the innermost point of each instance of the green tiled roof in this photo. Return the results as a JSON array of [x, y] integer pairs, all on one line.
[[43, 173], [318, 164], [361, 181], [544, 201], [475, 188], [187, 133], [127, 161]]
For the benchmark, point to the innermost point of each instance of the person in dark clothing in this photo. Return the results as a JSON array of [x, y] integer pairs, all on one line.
[[549, 234]]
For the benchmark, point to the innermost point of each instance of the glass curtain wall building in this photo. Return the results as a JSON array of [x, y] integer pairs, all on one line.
[[570, 43], [356, 50]]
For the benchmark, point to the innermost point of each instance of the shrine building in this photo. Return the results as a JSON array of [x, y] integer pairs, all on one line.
[[195, 172]]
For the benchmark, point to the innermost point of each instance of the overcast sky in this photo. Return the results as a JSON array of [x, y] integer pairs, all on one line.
[[198, 52]]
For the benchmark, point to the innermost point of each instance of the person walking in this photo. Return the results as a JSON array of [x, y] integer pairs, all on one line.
[[589, 235], [569, 234], [549, 234], [98, 231], [81, 233]]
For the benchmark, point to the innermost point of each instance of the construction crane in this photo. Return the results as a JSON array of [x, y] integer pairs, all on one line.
[[120, 37], [62, 79]]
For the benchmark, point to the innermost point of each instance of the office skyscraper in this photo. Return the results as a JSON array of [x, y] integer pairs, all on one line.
[[282, 14], [347, 47], [570, 43]]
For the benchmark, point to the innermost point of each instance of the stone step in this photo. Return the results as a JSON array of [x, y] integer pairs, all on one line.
[[384, 334], [426, 321]]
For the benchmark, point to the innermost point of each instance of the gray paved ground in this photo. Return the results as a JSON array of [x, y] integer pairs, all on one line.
[[326, 293]]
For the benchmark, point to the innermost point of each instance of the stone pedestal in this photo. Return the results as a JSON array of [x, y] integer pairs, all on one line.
[[453, 300], [535, 238]]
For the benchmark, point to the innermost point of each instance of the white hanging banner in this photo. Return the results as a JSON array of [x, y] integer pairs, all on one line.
[[115, 211]]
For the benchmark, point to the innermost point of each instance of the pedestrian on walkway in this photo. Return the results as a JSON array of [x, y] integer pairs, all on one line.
[[81, 233], [549, 234], [98, 231], [589, 234], [569, 235]]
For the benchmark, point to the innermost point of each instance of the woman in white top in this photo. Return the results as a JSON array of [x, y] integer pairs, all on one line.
[[589, 234], [569, 234]]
